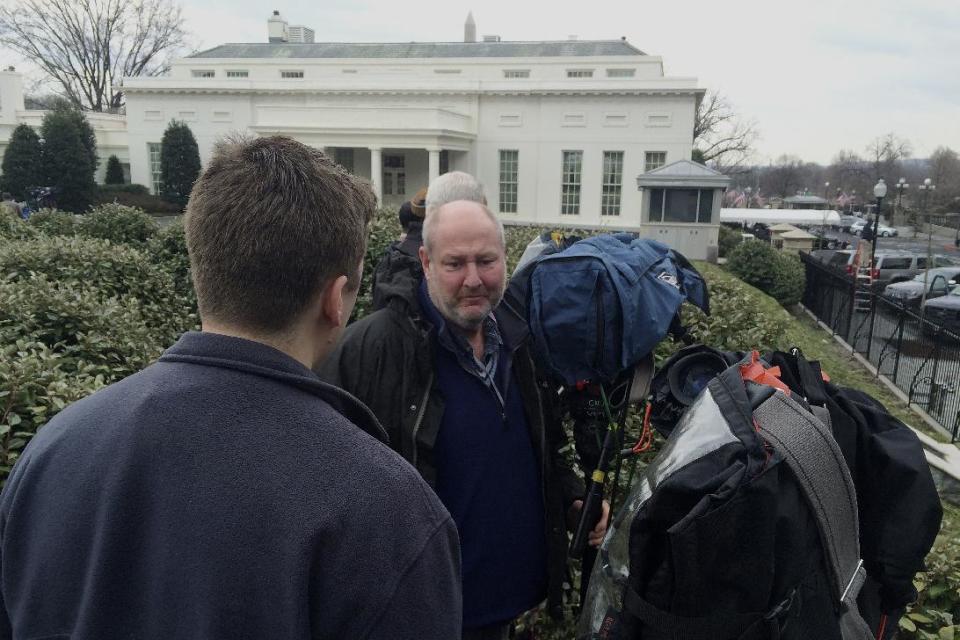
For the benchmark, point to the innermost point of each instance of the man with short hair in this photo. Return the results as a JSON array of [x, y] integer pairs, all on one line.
[[451, 376], [225, 491]]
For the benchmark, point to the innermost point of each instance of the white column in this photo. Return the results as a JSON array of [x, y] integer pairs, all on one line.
[[376, 173], [434, 164]]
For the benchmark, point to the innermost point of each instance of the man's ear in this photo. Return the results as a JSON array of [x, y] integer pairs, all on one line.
[[332, 305], [425, 261]]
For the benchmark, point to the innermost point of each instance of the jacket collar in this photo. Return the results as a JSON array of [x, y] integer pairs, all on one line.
[[239, 354]]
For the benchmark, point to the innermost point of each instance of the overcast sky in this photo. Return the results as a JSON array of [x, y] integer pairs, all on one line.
[[817, 77]]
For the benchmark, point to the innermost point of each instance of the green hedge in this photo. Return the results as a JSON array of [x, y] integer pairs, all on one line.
[[777, 274], [120, 224], [54, 222]]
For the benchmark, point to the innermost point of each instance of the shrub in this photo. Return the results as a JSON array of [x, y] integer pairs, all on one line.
[[109, 270], [114, 173], [33, 388], [119, 224], [384, 229], [54, 222], [66, 162], [74, 321], [168, 250], [776, 274], [179, 162], [729, 239], [21, 162], [136, 195], [13, 228]]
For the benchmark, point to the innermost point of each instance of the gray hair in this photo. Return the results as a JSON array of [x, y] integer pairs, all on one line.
[[453, 186], [433, 214]]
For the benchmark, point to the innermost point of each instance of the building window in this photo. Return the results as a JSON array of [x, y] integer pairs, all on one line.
[[348, 71], [509, 180], [222, 116], [579, 73], [203, 73], [450, 71], [570, 185], [344, 157], [621, 73], [681, 205], [238, 74], [291, 75], [615, 120], [152, 114], [188, 116], [612, 183], [516, 73], [153, 150], [654, 160], [510, 120], [574, 120]]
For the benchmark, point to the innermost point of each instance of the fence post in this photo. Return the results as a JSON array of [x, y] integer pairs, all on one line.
[[896, 362], [873, 319], [932, 398]]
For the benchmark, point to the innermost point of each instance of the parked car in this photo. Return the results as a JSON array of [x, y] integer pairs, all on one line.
[[939, 282], [857, 226], [891, 266], [944, 312], [847, 221], [882, 230]]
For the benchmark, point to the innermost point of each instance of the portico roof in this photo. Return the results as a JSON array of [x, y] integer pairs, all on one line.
[[683, 173]]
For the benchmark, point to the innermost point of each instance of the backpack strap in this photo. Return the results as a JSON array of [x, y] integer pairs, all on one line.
[[809, 449]]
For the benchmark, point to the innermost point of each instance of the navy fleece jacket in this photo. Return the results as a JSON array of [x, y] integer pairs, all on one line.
[[223, 492]]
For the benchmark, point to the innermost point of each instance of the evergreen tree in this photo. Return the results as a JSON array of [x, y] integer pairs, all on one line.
[[114, 171], [86, 131], [65, 161], [21, 162], [179, 162]]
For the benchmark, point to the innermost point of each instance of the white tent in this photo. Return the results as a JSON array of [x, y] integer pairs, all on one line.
[[809, 217]]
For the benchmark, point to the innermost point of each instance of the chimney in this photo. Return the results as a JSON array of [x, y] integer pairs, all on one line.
[[470, 29], [277, 28]]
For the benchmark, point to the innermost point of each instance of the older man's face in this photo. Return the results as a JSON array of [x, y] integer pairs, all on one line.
[[466, 265]]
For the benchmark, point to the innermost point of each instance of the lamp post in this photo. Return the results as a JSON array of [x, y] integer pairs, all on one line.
[[901, 187], [879, 192], [925, 189], [746, 201], [823, 223]]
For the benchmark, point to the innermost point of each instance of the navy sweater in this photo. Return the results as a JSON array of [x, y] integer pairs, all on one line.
[[488, 477], [222, 493]]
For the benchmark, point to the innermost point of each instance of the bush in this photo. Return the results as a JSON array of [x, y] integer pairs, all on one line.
[[129, 187], [936, 613], [729, 239], [168, 250], [13, 228], [21, 162], [109, 270], [74, 321], [54, 222], [776, 274], [179, 162], [33, 388], [119, 224], [136, 195], [66, 161], [114, 175], [384, 230]]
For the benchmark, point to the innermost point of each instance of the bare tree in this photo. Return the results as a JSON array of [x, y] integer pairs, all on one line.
[[849, 172], [722, 137], [784, 176], [86, 47], [944, 166], [885, 153]]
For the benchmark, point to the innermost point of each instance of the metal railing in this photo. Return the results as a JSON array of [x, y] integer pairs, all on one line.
[[920, 357]]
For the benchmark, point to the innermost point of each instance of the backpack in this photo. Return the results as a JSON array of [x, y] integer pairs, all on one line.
[[746, 524], [598, 306]]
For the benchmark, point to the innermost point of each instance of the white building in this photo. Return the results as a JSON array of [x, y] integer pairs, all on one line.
[[110, 130], [557, 131]]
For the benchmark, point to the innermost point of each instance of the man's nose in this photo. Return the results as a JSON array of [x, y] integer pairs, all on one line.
[[472, 277]]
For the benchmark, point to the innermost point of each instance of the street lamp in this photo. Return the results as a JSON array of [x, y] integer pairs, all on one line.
[[823, 223], [925, 189], [746, 202], [879, 192], [901, 187]]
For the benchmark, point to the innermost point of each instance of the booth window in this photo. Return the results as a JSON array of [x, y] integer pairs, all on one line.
[[681, 205]]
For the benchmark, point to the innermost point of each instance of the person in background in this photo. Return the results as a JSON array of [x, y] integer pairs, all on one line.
[[225, 491]]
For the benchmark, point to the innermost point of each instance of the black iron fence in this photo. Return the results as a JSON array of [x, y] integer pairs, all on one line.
[[920, 357]]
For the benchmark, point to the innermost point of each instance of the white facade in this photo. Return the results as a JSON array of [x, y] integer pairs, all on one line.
[[402, 113], [110, 130]]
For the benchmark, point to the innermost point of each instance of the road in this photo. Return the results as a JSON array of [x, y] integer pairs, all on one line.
[[904, 241]]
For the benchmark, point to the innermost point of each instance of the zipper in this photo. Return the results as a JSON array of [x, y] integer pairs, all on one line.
[[543, 441], [419, 420]]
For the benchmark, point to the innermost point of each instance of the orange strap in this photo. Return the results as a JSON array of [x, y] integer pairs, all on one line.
[[756, 372], [646, 436]]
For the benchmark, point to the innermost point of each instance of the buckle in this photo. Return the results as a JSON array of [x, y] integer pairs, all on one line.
[[782, 608]]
